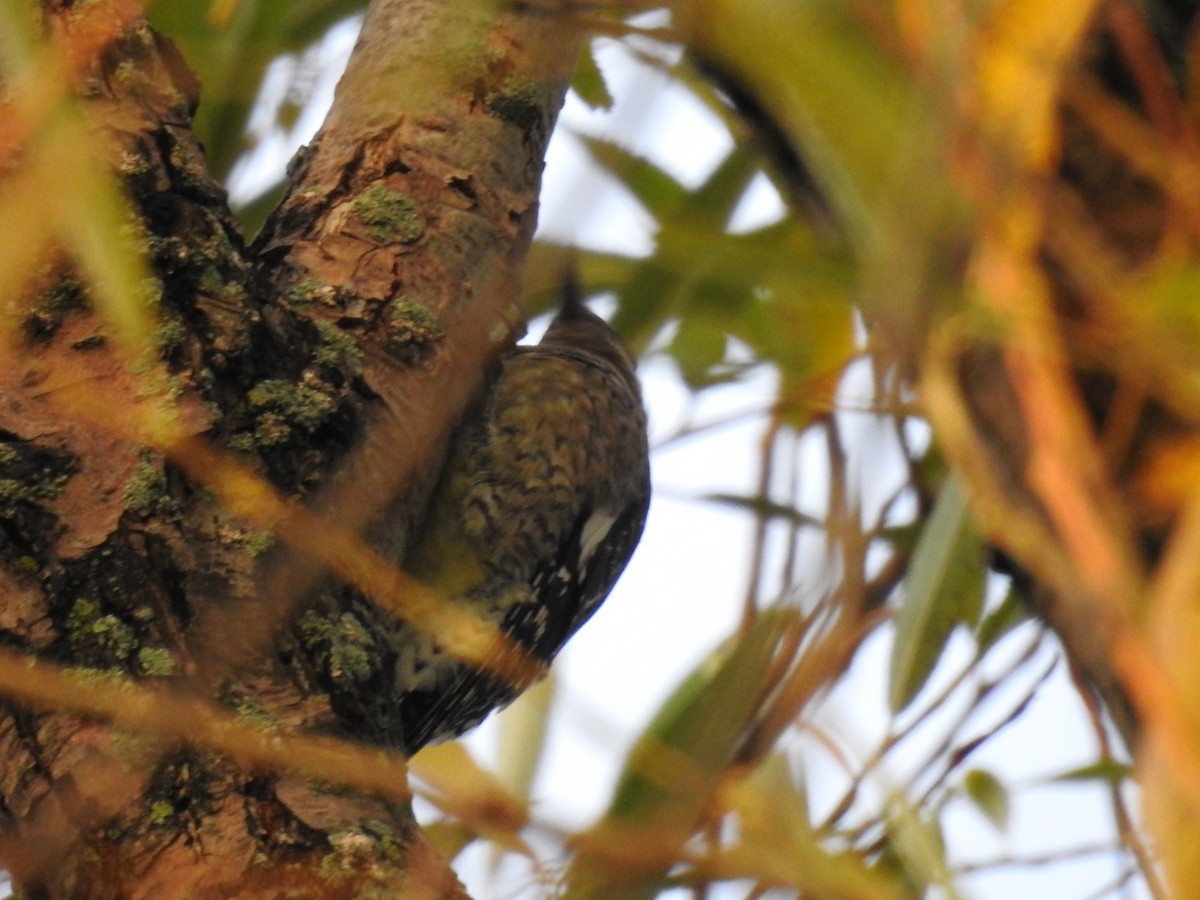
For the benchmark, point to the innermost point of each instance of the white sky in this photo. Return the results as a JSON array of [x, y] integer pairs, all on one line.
[[681, 593]]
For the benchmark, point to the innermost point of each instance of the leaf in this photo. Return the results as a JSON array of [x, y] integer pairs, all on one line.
[[650, 297], [704, 717], [1109, 770], [808, 332], [769, 802], [449, 837], [523, 736], [674, 767], [871, 137], [699, 349], [712, 204], [254, 214], [777, 844], [944, 587], [762, 506], [1011, 612], [653, 187], [785, 294], [231, 53], [919, 848], [852, 112], [696, 262], [989, 795], [460, 787], [588, 83]]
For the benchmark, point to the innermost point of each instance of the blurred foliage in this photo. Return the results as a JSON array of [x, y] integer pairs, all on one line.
[[671, 771], [230, 43], [874, 124], [944, 588]]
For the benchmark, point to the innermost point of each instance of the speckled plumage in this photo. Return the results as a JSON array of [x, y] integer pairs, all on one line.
[[542, 503]]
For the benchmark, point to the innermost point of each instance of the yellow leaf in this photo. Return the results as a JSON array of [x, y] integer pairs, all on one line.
[[523, 736], [1024, 46], [778, 846], [460, 787]]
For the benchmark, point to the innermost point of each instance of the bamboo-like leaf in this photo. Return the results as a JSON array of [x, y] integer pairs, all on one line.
[[857, 119], [652, 186], [523, 736], [449, 837], [589, 84], [1011, 612], [762, 506], [919, 849], [1109, 770], [460, 787], [944, 587], [988, 795], [777, 844], [673, 768]]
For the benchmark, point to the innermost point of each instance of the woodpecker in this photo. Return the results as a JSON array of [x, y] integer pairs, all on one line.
[[536, 514]]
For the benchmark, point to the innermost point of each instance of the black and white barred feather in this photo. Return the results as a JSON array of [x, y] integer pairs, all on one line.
[[540, 507]]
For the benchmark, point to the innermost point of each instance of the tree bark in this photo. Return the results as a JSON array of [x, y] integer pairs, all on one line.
[[176, 569]]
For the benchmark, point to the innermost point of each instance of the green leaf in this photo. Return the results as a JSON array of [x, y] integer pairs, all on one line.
[[776, 843], [871, 135], [703, 718], [845, 102], [588, 83], [761, 506], [1011, 612], [254, 214], [944, 587], [645, 291], [651, 296], [674, 767], [651, 186], [808, 332], [230, 54], [989, 795], [1109, 770], [699, 348], [919, 849]]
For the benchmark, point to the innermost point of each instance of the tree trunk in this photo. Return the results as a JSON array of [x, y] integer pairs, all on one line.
[[201, 718]]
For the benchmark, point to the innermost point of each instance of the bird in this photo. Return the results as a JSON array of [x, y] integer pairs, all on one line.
[[538, 510]]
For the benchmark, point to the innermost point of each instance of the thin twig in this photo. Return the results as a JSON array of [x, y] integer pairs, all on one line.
[[1127, 831]]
